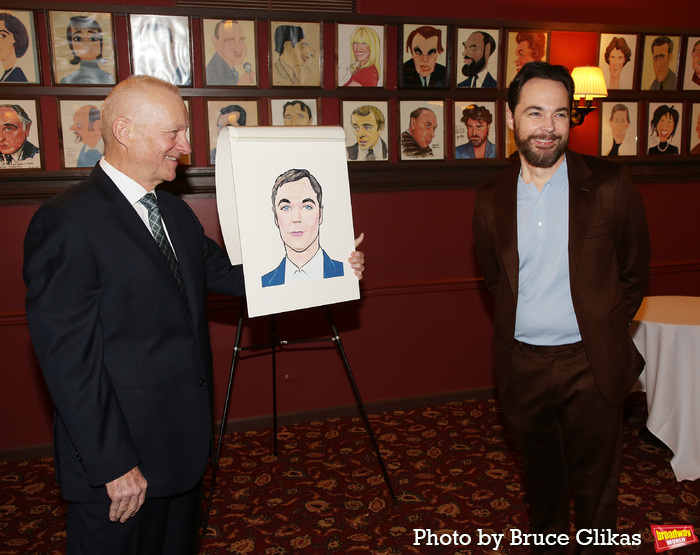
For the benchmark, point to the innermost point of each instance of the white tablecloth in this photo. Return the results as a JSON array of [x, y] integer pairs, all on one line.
[[666, 331]]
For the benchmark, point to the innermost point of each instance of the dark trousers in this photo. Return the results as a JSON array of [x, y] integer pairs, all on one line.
[[165, 526], [570, 440]]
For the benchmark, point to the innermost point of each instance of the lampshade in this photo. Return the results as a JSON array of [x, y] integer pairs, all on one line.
[[589, 82]]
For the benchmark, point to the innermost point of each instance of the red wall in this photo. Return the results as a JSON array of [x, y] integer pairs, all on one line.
[[422, 326]]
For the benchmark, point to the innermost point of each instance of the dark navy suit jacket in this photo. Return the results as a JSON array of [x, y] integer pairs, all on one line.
[[331, 268]]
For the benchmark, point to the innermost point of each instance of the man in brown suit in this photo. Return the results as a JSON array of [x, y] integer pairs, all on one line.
[[563, 244]]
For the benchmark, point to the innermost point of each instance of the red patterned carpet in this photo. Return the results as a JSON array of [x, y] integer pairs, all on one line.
[[451, 466]]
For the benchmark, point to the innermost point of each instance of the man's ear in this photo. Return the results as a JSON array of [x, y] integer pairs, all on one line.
[[509, 119], [121, 130]]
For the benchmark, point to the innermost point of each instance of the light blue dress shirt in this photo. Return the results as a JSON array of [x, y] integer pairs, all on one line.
[[545, 313]]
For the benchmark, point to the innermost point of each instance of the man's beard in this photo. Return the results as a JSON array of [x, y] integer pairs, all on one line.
[[476, 141], [540, 157], [470, 70]]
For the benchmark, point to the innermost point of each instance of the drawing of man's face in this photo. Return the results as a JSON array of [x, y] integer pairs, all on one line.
[[86, 132], [12, 132], [661, 59], [523, 55], [423, 128], [619, 125], [86, 43], [616, 61], [425, 54], [475, 55], [228, 120], [230, 44], [295, 114], [299, 54], [696, 59], [366, 130], [477, 132], [298, 215]]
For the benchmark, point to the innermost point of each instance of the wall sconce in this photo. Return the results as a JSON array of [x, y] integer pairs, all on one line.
[[590, 84]]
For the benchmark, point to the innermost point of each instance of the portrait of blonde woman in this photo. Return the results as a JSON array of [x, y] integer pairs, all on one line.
[[360, 57]]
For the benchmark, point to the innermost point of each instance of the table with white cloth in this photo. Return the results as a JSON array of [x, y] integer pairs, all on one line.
[[666, 331]]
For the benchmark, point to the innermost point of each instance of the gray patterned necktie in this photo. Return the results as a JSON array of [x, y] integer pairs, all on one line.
[[150, 202], [370, 155]]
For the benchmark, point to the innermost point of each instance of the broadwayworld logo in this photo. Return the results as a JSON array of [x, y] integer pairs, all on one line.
[[671, 537]]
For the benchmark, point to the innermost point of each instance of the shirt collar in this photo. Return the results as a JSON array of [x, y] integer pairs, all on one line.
[[128, 187], [559, 181], [313, 269]]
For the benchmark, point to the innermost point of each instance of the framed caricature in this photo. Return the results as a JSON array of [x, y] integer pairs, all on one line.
[[665, 128], [229, 47], [82, 48], [475, 130], [296, 54], [294, 111], [523, 47], [477, 52], [425, 57], [19, 62], [20, 148], [617, 57], [695, 129], [81, 137], [160, 46], [422, 128], [361, 55], [228, 113], [660, 67], [691, 75], [366, 130], [619, 125]]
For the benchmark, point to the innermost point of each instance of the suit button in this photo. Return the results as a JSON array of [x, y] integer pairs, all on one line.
[[202, 383]]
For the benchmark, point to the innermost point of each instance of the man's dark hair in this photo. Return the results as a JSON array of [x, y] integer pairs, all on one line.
[[366, 110], [539, 70], [19, 32], [660, 41], [477, 113], [80, 22], [234, 108], [93, 116], [216, 29], [661, 111], [620, 44], [303, 105], [488, 40], [284, 33], [290, 176], [426, 32]]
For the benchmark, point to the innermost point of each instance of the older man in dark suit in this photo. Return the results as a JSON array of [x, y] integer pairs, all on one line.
[[116, 280], [563, 244]]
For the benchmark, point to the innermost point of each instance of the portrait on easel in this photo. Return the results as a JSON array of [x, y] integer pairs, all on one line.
[[284, 203]]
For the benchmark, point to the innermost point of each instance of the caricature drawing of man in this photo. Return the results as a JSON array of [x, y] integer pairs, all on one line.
[[15, 148], [231, 50], [86, 128], [232, 115], [155, 46], [694, 61], [296, 113], [478, 48], [298, 213], [422, 70], [662, 56], [415, 141], [367, 123], [477, 120], [296, 57]]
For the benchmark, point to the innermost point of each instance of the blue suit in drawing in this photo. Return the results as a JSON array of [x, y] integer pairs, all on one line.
[[331, 268]]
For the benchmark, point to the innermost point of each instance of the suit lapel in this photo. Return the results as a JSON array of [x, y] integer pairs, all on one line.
[[581, 197], [506, 220]]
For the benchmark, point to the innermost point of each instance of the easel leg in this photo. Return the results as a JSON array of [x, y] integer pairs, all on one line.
[[273, 341], [215, 453], [358, 400]]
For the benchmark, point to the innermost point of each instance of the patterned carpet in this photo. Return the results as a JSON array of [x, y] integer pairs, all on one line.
[[452, 468]]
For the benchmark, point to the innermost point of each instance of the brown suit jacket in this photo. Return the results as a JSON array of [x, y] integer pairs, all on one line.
[[608, 265]]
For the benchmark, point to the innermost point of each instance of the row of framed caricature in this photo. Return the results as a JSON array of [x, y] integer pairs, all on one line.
[[83, 52], [421, 129]]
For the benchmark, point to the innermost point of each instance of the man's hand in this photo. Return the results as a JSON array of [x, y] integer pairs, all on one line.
[[357, 258], [128, 492]]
